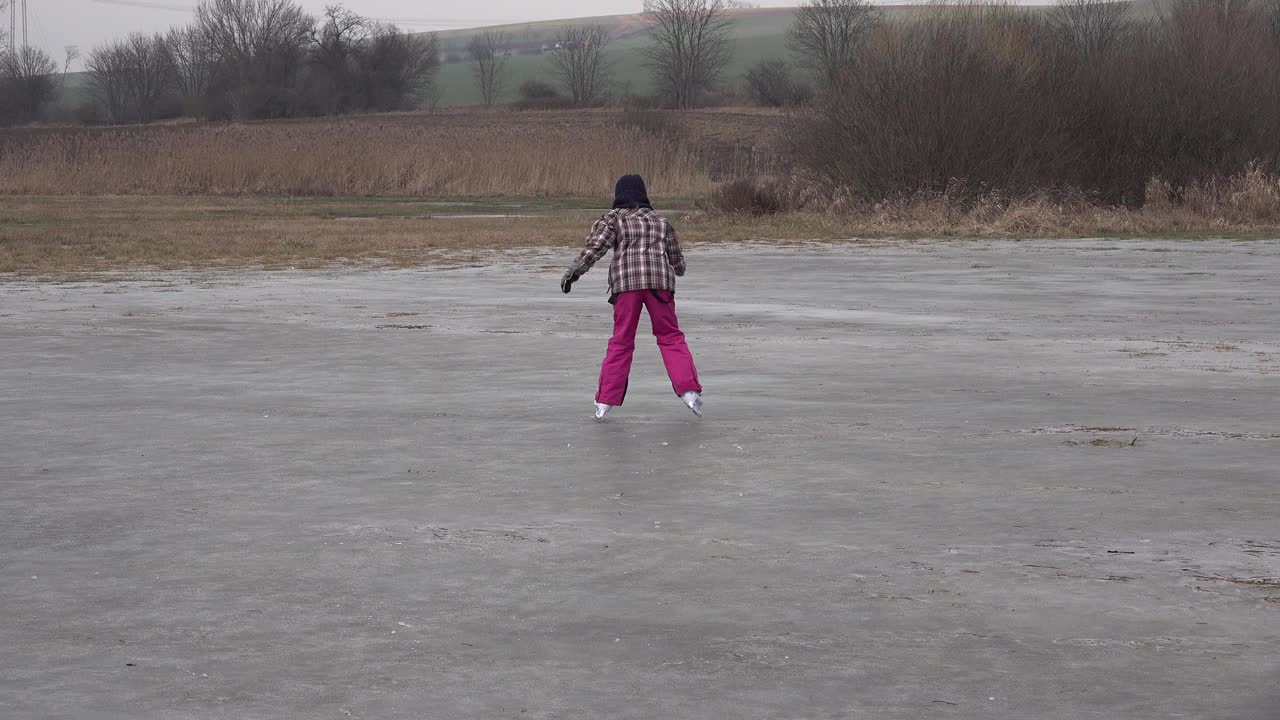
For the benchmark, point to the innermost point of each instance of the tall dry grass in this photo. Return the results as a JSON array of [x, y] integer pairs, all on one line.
[[1246, 203], [356, 156]]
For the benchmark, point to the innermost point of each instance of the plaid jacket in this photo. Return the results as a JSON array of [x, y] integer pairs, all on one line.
[[647, 254]]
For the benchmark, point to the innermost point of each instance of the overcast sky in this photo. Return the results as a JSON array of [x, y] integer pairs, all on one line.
[[53, 24]]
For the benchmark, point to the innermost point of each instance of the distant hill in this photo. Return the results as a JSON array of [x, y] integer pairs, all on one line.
[[758, 34]]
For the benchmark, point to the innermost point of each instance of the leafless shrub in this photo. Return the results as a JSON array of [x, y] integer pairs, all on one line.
[[770, 83], [581, 63], [1215, 70], [538, 95], [689, 47], [1085, 97], [628, 98], [652, 122], [760, 196], [947, 95]]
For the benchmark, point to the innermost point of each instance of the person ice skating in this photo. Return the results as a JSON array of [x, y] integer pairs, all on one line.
[[647, 259]]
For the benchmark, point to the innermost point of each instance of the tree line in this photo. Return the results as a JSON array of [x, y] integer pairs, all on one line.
[[238, 59], [252, 59], [258, 59]]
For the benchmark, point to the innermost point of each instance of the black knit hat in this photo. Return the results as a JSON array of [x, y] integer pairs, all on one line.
[[631, 193]]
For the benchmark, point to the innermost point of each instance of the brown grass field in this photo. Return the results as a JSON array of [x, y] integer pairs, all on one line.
[[59, 236], [420, 188], [445, 154]]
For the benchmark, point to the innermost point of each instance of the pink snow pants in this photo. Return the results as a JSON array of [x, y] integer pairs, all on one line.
[[661, 305]]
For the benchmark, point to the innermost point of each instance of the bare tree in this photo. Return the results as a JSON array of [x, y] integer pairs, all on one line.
[[490, 51], [336, 42], [579, 61], [27, 84], [108, 67], [132, 77], [826, 36], [151, 74], [689, 47], [358, 64], [259, 47], [397, 68], [193, 66], [70, 54]]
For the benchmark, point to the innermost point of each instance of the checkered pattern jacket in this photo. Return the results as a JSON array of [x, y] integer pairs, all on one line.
[[647, 254]]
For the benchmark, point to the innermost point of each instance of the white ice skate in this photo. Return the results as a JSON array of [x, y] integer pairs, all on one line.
[[694, 401], [602, 410]]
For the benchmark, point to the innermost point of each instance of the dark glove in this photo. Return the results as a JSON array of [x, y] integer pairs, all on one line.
[[570, 277]]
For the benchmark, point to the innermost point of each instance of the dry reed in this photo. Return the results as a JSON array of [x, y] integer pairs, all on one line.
[[1247, 203], [61, 234], [358, 157]]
